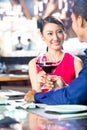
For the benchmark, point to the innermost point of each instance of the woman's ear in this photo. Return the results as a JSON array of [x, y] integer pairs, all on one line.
[[42, 36]]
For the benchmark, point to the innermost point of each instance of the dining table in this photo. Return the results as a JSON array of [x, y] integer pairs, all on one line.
[[20, 115], [24, 120]]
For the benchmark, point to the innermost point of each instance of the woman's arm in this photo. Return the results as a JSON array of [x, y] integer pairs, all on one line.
[[33, 75], [37, 79]]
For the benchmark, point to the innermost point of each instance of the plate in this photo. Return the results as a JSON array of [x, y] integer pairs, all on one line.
[[66, 109], [3, 100], [11, 93], [39, 105]]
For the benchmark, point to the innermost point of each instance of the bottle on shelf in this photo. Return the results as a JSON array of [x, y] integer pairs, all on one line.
[[29, 47], [19, 46]]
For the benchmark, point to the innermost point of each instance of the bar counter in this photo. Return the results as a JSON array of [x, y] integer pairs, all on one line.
[[17, 66], [16, 60], [13, 77]]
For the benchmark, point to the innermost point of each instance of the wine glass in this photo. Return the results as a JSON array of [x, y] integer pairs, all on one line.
[[47, 66]]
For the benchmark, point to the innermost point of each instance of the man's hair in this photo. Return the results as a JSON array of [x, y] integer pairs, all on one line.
[[80, 8]]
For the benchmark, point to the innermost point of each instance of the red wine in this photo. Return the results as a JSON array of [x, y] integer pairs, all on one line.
[[48, 67]]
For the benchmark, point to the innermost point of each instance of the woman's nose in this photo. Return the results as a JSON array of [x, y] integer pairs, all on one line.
[[55, 36]]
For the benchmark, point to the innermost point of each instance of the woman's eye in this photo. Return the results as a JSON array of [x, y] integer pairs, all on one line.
[[60, 31], [49, 33]]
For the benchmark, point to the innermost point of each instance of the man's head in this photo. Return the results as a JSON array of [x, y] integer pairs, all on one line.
[[79, 19]]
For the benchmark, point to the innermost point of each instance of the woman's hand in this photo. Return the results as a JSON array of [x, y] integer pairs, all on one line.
[[29, 96], [41, 78]]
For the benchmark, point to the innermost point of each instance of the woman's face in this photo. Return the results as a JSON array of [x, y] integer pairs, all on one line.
[[53, 35]]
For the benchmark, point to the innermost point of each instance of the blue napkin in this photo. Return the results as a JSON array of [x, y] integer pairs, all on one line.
[[7, 121]]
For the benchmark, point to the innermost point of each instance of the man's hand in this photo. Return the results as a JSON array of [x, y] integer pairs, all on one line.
[[29, 96], [55, 82], [58, 82]]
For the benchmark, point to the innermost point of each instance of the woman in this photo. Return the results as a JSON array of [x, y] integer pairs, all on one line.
[[68, 66]]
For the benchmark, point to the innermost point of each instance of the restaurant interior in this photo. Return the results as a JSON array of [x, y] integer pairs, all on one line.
[[20, 41]]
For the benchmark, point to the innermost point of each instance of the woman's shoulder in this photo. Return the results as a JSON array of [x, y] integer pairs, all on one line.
[[32, 61], [78, 60], [68, 54], [74, 58]]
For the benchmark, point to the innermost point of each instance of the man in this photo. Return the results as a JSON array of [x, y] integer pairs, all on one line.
[[76, 91]]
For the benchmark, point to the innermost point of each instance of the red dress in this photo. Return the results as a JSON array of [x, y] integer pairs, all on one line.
[[65, 68]]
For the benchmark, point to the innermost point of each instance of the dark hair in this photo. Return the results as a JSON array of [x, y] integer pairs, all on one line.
[[49, 19], [80, 8]]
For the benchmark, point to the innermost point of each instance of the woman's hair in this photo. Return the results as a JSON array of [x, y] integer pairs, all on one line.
[[49, 19], [80, 8]]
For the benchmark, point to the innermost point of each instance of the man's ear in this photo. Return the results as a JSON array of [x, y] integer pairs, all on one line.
[[80, 21]]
